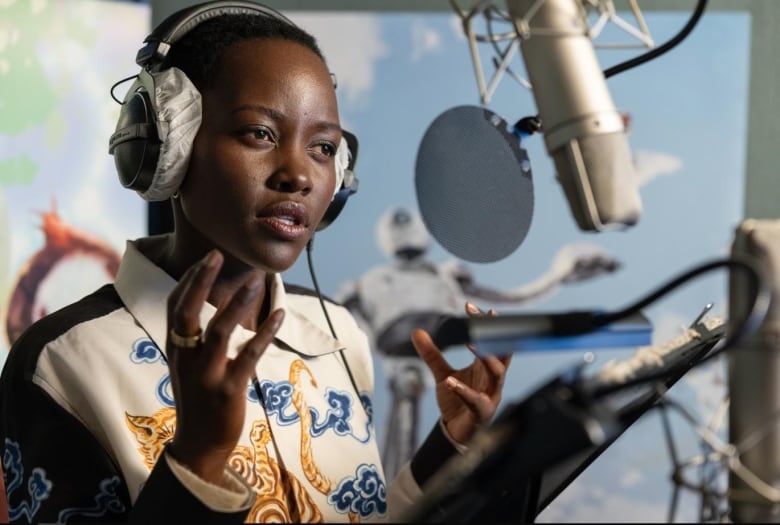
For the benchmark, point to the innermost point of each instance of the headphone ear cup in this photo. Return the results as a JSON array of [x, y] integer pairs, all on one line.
[[135, 144], [338, 202], [348, 186]]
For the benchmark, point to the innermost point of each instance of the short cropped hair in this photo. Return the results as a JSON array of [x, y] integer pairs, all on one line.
[[198, 52]]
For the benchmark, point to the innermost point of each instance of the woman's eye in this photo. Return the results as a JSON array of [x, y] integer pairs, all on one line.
[[327, 149], [254, 134], [261, 134]]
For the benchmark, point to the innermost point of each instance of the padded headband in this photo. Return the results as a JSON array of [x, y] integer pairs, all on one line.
[[170, 30]]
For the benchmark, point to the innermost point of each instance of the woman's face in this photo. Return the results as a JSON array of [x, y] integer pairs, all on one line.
[[262, 171]]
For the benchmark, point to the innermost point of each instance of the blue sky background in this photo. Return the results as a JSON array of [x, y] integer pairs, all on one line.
[[397, 72]]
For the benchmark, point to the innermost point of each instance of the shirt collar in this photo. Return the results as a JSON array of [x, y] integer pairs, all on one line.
[[144, 288]]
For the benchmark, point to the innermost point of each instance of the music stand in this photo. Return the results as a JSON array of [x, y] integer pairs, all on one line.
[[536, 447]]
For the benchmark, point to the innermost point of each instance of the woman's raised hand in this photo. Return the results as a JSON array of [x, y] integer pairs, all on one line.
[[209, 388]]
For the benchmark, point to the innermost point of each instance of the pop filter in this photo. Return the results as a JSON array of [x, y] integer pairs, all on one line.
[[473, 182]]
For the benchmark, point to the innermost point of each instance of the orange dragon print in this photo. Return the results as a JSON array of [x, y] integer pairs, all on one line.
[[313, 473], [274, 487], [281, 497]]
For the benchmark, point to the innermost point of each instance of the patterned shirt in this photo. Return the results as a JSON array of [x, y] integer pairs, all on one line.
[[87, 412]]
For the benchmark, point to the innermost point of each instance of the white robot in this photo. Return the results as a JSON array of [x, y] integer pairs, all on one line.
[[392, 300]]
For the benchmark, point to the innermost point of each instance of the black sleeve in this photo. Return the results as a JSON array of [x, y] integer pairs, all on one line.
[[55, 470], [459, 501], [434, 452]]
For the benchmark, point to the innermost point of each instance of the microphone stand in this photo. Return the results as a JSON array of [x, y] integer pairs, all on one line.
[[497, 478]]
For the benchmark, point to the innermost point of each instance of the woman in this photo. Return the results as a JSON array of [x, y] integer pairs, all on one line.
[[195, 387]]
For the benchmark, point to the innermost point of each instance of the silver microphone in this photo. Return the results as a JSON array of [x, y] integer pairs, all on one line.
[[583, 131]]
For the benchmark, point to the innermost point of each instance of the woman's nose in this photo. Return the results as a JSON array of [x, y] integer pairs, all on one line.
[[291, 173]]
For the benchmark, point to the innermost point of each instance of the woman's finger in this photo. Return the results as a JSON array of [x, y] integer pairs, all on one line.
[[497, 370], [477, 402], [472, 310], [431, 354], [227, 317], [185, 316], [179, 289], [494, 365], [242, 368]]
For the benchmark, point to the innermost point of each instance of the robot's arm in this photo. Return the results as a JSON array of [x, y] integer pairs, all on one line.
[[573, 263]]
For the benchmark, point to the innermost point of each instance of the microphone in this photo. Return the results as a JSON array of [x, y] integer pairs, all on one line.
[[527, 332], [472, 175], [583, 131]]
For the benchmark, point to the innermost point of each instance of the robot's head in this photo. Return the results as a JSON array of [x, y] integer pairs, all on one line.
[[401, 233]]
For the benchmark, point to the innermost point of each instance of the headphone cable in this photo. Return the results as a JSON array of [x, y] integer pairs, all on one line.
[[309, 260]]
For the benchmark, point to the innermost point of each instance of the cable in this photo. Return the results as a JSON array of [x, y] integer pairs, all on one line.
[[758, 285], [657, 51], [309, 260], [641, 59], [741, 263], [115, 86]]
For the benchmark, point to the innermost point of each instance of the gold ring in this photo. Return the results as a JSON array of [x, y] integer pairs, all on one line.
[[190, 341]]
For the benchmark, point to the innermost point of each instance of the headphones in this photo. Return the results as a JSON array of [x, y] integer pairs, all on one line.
[[161, 114]]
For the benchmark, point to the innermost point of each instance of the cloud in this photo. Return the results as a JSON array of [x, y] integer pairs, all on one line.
[[631, 477], [456, 24], [425, 40], [651, 164], [668, 326], [352, 45], [590, 503]]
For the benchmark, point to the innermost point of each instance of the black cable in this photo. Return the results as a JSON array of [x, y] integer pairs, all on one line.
[[733, 262], [309, 260], [641, 59], [657, 51], [116, 84], [761, 299]]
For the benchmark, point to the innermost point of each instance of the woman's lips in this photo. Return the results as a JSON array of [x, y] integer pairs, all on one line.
[[288, 220]]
